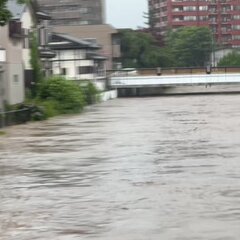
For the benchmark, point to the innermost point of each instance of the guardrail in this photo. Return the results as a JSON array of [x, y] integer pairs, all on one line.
[[14, 117], [171, 71]]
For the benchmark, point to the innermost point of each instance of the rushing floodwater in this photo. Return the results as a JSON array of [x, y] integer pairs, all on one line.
[[160, 168]]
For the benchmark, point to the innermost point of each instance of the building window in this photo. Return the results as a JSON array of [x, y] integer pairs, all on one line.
[[189, 8], [63, 71], [15, 29], [203, 8], [15, 79], [190, 18], [236, 37], [85, 70], [84, 22], [236, 27], [83, 10], [203, 18], [236, 17]]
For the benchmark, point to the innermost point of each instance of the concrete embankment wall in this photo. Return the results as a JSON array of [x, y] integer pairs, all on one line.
[[204, 89], [108, 95]]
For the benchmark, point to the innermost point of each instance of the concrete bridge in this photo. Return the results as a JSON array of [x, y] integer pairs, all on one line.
[[176, 84]]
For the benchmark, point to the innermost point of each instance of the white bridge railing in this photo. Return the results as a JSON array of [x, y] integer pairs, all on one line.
[[173, 80]]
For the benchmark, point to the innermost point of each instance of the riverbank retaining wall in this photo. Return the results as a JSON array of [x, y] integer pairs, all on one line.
[[108, 95]]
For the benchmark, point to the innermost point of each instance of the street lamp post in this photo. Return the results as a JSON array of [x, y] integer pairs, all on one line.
[[2, 62]]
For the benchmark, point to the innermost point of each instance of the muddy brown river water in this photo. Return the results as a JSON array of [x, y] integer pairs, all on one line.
[[162, 168]]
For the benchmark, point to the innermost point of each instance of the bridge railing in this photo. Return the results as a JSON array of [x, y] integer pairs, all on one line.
[[171, 71]]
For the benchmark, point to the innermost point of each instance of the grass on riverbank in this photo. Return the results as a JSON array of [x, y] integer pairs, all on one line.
[[2, 133]]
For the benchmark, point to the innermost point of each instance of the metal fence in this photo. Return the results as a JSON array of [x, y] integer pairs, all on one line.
[[10, 118]]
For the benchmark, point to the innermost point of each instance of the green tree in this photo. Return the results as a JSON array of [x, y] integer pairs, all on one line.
[[230, 60], [36, 64], [190, 46], [151, 19], [140, 50], [65, 95], [5, 14]]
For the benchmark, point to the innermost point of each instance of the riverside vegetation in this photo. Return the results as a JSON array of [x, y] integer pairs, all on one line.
[[50, 97], [57, 95], [184, 47]]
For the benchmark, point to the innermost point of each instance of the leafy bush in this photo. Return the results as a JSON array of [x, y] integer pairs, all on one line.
[[60, 96], [51, 108], [57, 95], [38, 113], [230, 60], [90, 93]]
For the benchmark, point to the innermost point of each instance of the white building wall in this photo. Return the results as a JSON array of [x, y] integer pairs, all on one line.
[[13, 76], [27, 23], [15, 89], [71, 60]]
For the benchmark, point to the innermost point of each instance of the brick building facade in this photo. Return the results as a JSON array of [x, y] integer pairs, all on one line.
[[221, 16]]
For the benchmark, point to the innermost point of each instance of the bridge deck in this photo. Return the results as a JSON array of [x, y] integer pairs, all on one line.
[[174, 80]]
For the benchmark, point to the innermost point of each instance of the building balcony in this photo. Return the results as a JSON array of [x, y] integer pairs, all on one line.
[[235, 22], [235, 31], [212, 2], [234, 44], [226, 32], [185, 3], [226, 23], [187, 13], [225, 13], [188, 23], [161, 25], [163, 4], [212, 12], [163, 14], [212, 22]]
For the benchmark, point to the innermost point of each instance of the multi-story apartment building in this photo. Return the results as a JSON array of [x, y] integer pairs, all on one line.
[[221, 16], [74, 12]]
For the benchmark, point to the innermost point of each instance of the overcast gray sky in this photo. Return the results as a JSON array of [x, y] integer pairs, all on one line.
[[126, 13]]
